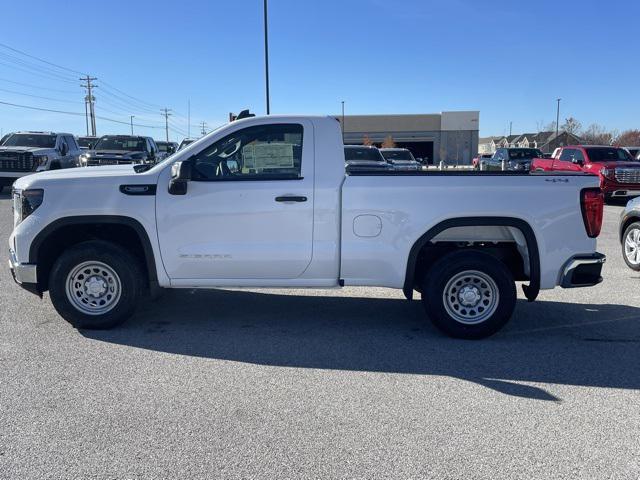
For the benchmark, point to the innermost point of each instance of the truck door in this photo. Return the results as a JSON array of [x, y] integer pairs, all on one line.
[[248, 210], [571, 160]]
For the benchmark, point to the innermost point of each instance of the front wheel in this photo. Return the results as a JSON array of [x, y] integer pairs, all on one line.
[[469, 294], [95, 285], [631, 246]]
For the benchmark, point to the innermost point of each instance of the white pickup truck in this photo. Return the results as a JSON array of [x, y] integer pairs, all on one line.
[[266, 202]]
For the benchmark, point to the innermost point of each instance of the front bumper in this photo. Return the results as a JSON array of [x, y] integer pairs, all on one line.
[[582, 271], [24, 274]]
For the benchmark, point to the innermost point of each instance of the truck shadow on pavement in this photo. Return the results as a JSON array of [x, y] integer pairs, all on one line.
[[546, 342]]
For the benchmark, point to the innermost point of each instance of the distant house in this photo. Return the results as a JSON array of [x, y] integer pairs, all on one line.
[[490, 144], [545, 141]]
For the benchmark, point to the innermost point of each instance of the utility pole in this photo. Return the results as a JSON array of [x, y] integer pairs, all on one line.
[[90, 99], [558, 116], [86, 114], [342, 121], [266, 55], [510, 126], [165, 112], [131, 117], [189, 118], [203, 128]]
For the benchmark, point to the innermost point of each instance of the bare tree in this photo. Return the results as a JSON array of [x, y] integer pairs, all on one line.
[[571, 125], [596, 135], [628, 138], [388, 142], [550, 127]]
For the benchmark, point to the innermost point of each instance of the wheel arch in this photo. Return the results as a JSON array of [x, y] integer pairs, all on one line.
[[86, 224], [624, 224], [531, 291]]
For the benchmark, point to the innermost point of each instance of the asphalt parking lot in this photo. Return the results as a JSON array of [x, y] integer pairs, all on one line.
[[333, 384]]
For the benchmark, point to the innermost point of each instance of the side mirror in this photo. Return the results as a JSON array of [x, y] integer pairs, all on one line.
[[180, 176], [575, 160]]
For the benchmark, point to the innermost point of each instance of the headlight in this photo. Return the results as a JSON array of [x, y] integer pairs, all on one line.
[[608, 172], [25, 202], [84, 159], [39, 161]]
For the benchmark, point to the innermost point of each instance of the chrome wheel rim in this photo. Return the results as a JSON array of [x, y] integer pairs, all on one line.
[[632, 246], [93, 288], [471, 297]]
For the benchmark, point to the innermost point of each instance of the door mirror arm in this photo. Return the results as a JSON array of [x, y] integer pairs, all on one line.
[[180, 177]]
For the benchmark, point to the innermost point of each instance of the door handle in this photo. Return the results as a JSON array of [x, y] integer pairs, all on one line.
[[291, 198]]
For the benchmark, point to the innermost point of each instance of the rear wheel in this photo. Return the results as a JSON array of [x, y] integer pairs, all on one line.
[[631, 246], [95, 285], [469, 294]]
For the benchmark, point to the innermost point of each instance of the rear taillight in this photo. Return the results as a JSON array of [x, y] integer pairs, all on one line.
[[592, 205]]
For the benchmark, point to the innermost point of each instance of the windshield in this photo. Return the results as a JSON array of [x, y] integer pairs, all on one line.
[[608, 154], [164, 146], [130, 144], [30, 140], [368, 154], [402, 155], [86, 142], [524, 153]]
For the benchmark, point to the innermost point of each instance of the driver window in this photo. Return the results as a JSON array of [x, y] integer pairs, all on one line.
[[263, 152], [566, 154], [578, 155]]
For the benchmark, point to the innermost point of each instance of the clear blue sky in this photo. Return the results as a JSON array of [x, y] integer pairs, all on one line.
[[509, 60]]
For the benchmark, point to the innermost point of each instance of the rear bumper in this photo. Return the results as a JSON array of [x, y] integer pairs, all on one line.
[[582, 271], [24, 274]]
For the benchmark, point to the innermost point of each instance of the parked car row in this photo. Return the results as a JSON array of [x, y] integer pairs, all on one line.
[[22, 153], [618, 170]]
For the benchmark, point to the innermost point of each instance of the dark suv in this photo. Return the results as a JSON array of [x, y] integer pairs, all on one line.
[[515, 158], [121, 150], [23, 153]]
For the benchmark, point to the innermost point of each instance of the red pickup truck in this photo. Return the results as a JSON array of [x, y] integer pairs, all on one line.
[[619, 172]]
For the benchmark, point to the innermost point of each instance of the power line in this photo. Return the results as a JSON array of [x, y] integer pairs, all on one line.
[[40, 59], [33, 66], [37, 96], [36, 86], [39, 74], [78, 114], [131, 96]]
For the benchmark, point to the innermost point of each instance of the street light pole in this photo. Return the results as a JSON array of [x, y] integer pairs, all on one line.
[[558, 116], [131, 117], [266, 55], [342, 121]]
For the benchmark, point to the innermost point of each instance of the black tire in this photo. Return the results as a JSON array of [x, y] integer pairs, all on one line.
[[488, 269], [127, 272], [629, 229]]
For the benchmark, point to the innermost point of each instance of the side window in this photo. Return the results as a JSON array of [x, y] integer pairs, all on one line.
[[500, 155], [566, 154], [263, 152], [62, 142], [71, 142], [578, 155]]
